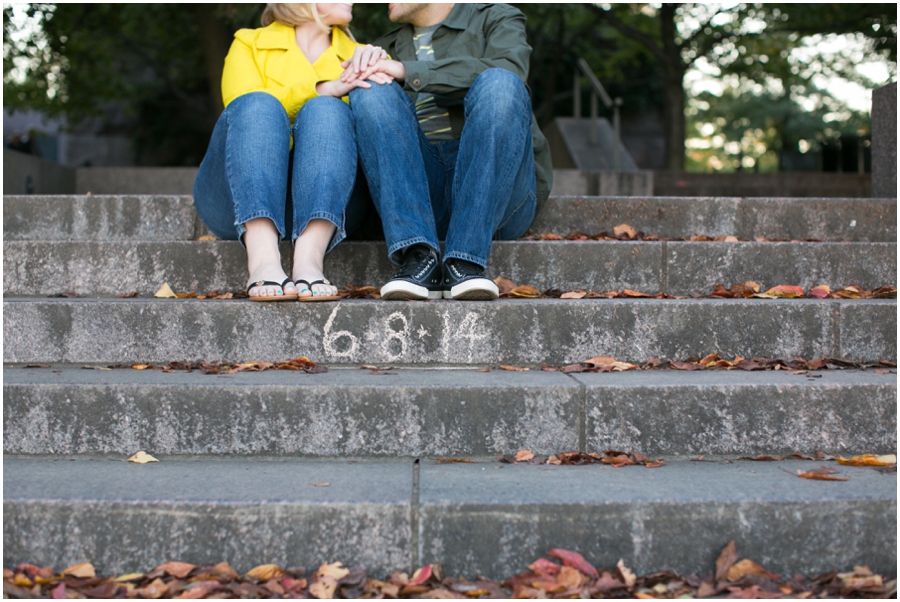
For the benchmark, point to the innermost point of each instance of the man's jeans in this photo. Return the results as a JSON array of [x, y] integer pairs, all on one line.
[[465, 192], [250, 168]]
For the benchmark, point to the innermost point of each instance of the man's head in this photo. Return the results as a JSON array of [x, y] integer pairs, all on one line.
[[419, 15]]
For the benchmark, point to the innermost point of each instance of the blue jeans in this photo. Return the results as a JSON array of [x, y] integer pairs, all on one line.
[[250, 170], [465, 192]]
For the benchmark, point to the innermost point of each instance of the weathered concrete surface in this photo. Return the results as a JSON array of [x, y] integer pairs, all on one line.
[[125, 517], [482, 518], [678, 268], [172, 217], [869, 331], [514, 331], [850, 220], [496, 519], [414, 412], [135, 180], [340, 413], [699, 266], [884, 141], [826, 219], [741, 413], [99, 218]]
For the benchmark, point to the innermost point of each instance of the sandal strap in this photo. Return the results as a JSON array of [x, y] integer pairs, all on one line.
[[309, 285], [267, 283]]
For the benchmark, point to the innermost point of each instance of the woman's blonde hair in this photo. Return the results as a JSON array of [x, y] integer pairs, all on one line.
[[297, 14]]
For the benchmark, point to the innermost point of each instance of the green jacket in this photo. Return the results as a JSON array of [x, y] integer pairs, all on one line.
[[472, 39]]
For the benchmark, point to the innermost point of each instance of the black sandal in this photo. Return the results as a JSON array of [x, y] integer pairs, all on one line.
[[281, 297], [315, 297]]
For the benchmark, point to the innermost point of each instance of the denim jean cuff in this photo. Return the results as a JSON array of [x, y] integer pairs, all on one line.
[[408, 243], [339, 233], [465, 257], [241, 228]]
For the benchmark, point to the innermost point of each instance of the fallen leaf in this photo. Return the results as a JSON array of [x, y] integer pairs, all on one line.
[[455, 461], [207, 237], [523, 455], [335, 570], [542, 566], [575, 561], [784, 292], [823, 473], [504, 284], [264, 572], [421, 576], [142, 458], [199, 590], [725, 560], [821, 292], [573, 295], [179, 570], [629, 577], [525, 292], [571, 578], [141, 366], [629, 293], [130, 577], [514, 368], [320, 484], [626, 230], [747, 567], [164, 292], [155, 589], [868, 460], [603, 361]]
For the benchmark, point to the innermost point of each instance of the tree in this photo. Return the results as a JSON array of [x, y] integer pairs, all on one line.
[[680, 35]]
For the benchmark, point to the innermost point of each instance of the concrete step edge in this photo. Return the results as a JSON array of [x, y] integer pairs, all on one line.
[[473, 518], [446, 413], [677, 268], [173, 217], [506, 331]]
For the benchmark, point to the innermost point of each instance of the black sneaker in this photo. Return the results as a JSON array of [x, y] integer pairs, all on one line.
[[466, 280], [419, 276]]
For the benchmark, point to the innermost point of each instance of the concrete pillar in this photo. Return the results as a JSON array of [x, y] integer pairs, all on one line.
[[884, 142]]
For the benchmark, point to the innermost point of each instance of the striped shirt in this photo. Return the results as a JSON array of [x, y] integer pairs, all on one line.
[[434, 120]]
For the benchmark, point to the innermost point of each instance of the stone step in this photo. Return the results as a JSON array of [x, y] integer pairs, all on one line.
[[483, 518], [505, 331], [446, 413], [676, 268], [162, 217]]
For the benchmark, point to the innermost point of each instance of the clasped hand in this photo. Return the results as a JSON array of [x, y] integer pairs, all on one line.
[[367, 65]]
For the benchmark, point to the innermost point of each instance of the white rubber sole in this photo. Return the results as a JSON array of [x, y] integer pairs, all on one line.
[[401, 290], [476, 289]]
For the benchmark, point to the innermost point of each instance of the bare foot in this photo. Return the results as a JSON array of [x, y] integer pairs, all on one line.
[[309, 259], [273, 273]]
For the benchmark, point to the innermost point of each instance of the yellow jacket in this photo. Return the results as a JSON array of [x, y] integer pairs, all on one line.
[[268, 60]]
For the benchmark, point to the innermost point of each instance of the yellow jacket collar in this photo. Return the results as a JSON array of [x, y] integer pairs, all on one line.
[[280, 36]]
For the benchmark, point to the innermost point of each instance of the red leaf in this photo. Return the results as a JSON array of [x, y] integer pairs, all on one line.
[[575, 561]]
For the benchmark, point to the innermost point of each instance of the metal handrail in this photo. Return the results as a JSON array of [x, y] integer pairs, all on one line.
[[598, 91]]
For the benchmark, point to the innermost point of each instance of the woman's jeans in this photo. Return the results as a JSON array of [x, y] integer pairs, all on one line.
[[250, 170], [466, 192]]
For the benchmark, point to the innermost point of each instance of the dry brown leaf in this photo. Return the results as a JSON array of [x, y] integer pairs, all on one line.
[[164, 292], [604, 361], [514, 368], [821, 292], [626, 230], [179, 570], [823, 473], [155, 589], [504, 284], [580, 294], [335, 570], [264, 572], [142, 458], [629, 577], [82, 571], [320, 484], [746, 567], [725, 560], [523, 455], [525, 292], [868, 460]]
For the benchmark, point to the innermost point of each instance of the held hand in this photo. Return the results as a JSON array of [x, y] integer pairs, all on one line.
[[393, 69], [363, 58], [339, 89]]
